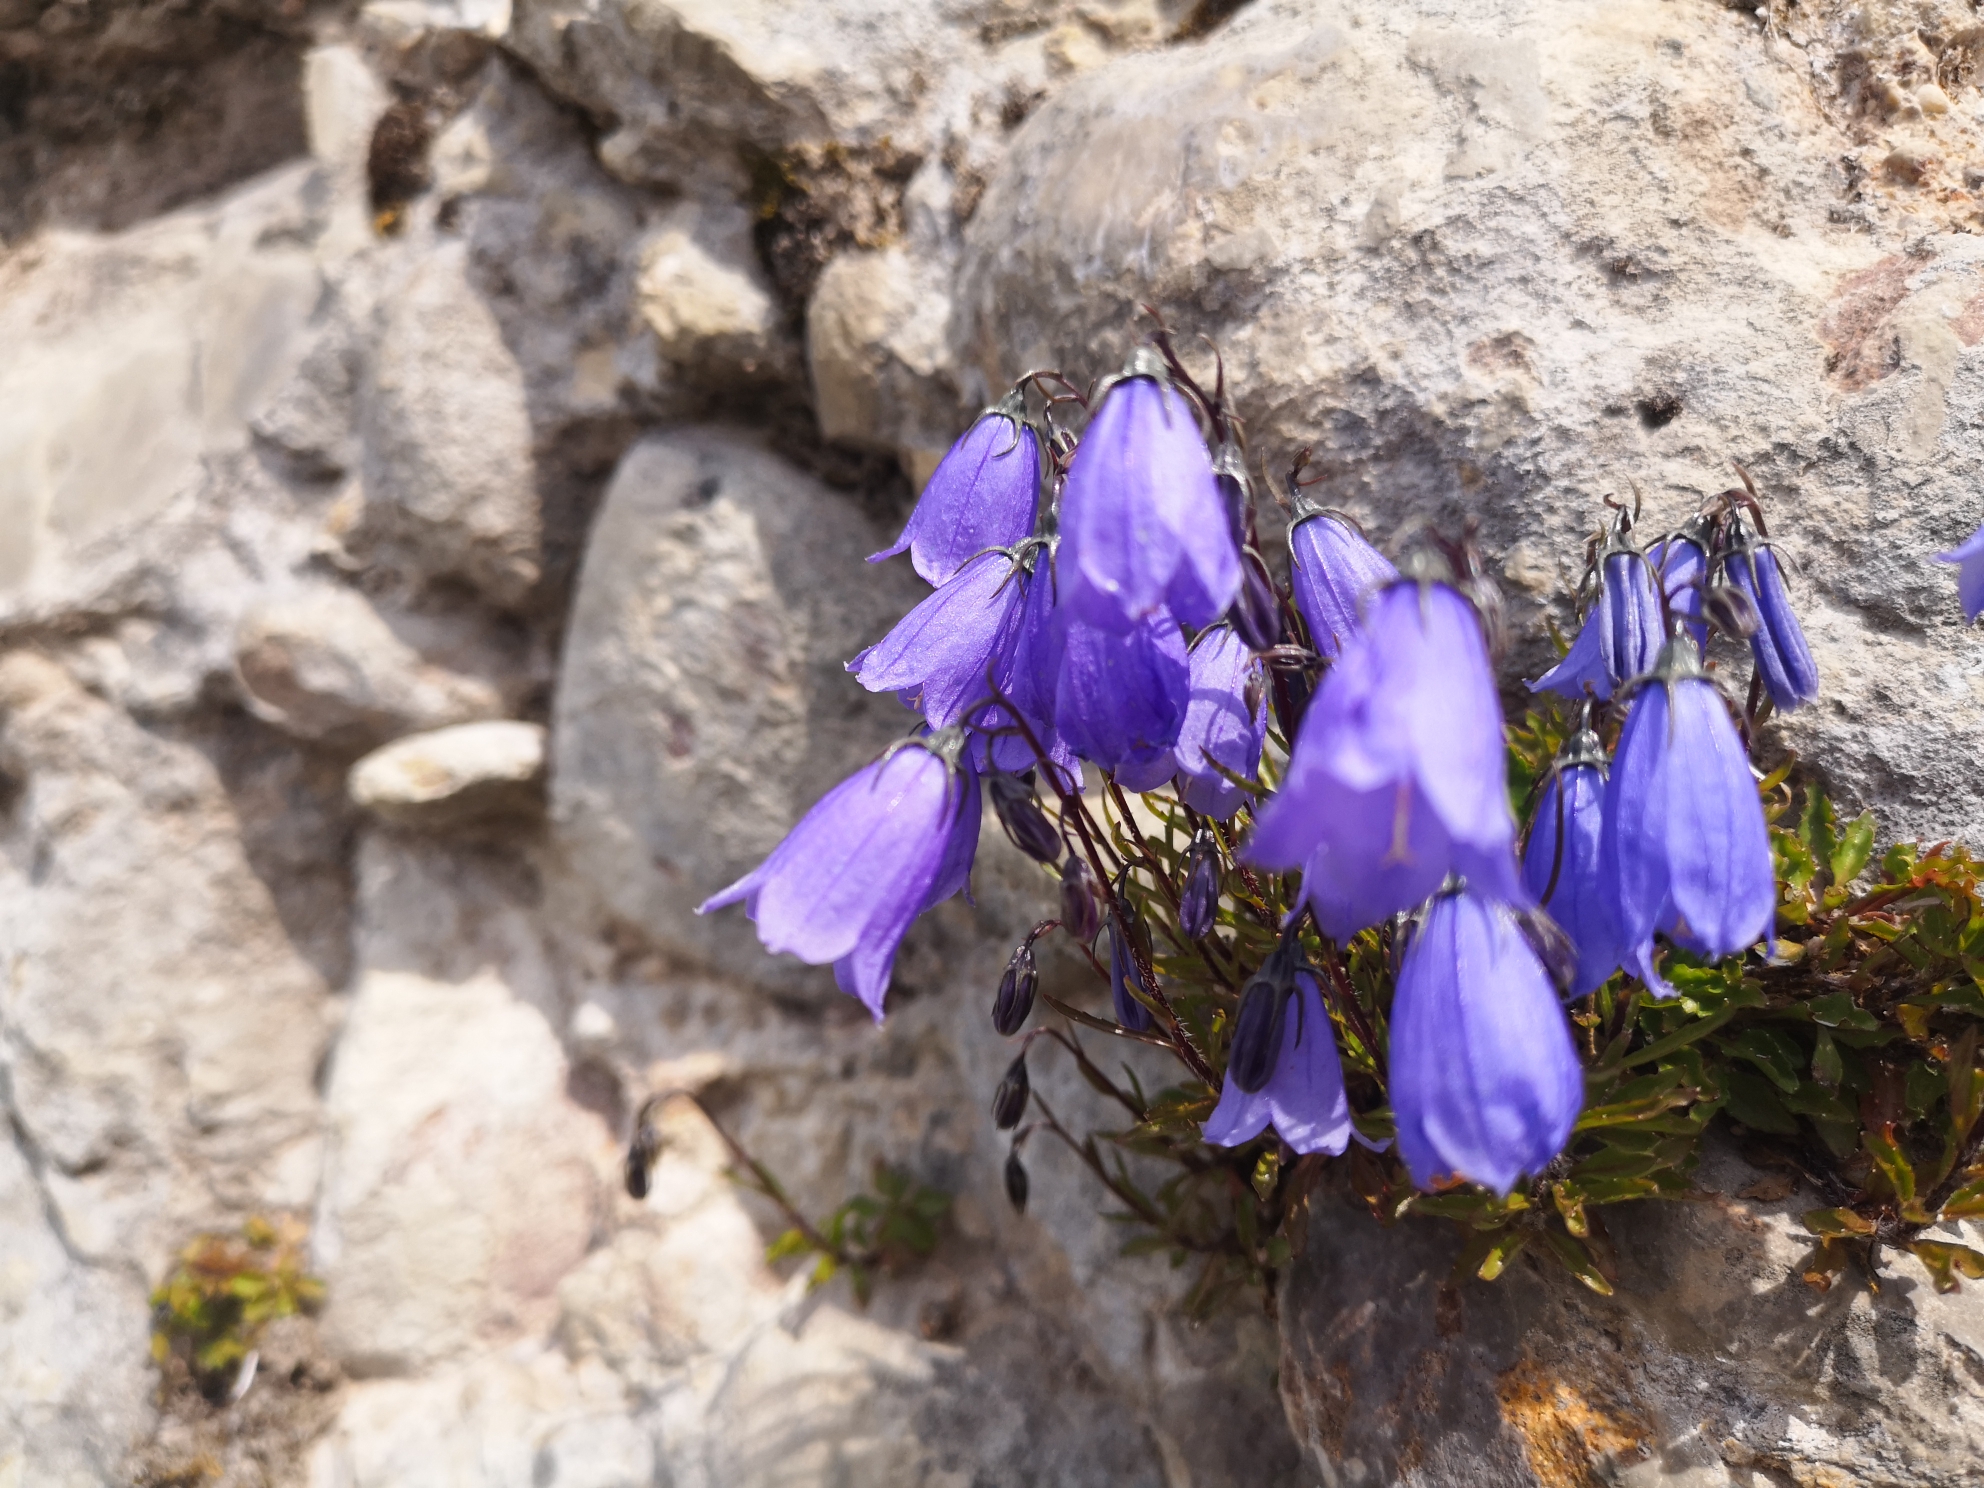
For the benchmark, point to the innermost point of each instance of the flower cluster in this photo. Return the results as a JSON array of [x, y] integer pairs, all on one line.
[[1340, 922]]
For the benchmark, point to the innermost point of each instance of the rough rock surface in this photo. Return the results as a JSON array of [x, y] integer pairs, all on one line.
[[549, 368]]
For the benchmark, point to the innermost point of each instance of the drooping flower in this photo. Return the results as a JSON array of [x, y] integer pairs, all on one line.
[[1560, 860], [1029, 681], [1622, 635], [892, 839], [1226, 720], [1785, 662], [1143, 528], [1684, 848], [944, 656], [1682, 561], [1397, 776], [1485, 1081], [1969, 555], [1123, 975], [1120, 697], [982, 494], [1303, 1097], [1332, 571], [1198, 900]]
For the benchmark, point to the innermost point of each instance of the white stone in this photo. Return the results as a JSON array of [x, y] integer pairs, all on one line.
[[473, 772], [704, 298]]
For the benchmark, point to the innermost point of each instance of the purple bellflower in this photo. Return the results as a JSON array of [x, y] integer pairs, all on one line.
[[1485, 1081], [1120, 698], [1143, 525], [1684, 848], [1969, 556], [1029, 679], [1332, 570], [943, 656], [1784, 661], [1560, 861], [1303, 1098], [892, 839], [1683, 564], [1226, 720], [1123, 975], [1622, 636], [982, 494], [1397, 777]]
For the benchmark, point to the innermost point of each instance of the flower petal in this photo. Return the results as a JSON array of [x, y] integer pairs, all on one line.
[[982, 495]]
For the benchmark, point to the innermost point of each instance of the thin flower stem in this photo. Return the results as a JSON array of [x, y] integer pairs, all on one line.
[[1103, 1025]]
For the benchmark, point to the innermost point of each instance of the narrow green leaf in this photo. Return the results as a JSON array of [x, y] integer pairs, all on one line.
[[1577, 1260], [1856, 845], [1835, 1224]]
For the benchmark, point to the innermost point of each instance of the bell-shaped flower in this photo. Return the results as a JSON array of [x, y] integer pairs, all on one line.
[[1790, 675], [1123, 975], [983, 494], [944, 656], [1143, 524], [1560, 861], [1684, 848], [1622, 635], [892, 839], [1303, 1098], [1969, 556], [1397, 777], [1032, 670], [1333, 570], [1120, 697], [1484, 1078], [1682, 561], [1226, 721]]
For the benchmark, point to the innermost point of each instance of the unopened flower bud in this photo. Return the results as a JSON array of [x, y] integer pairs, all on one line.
[[1731, 611], [1199, 900], [1016, 991], [1016, 1184], [1020, 814], [1009, 1100], [1256, 614], [1124, 976], [1261, 1020], [1552, 946], [1081, 915]]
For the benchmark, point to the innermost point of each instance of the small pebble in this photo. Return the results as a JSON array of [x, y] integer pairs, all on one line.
[[1932, 100]]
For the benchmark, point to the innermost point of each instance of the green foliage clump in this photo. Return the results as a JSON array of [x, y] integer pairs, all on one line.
[[212, 1307]]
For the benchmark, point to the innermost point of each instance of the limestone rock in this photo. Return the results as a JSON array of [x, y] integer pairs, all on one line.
[[471, 774], [1498, 259], [875, 342], [323, 664], [1713, 1364], [705, 300], [703, 704]]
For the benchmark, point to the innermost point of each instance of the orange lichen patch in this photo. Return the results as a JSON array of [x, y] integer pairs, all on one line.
[[1856, 330], [1573, 1440]]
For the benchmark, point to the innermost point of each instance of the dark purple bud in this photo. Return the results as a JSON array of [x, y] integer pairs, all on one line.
[[982, 495], [1016, 1184], [1009, 1100], [1729, 610], [1333, 571], [1020, 814], [1968, 555], [1256, 613], [1303, 1099], [1123, 976], [1081, 904], [1143, 526], [1198, 901], [1016, 992], [1778, 643], [1553, 947], [641, 1155], [1292, 691], [1258, 1029]]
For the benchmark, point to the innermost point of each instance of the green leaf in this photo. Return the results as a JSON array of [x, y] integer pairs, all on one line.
[[1754, 1102], [1856, 845], [1770, 1051], [1574, 1258], [1892, 1162], [1898, 863], [1837, 1224], [1966, 1203], [1816, 824], [1945, 1260], [1501, 1250], [791, 1243], [1838, 1010]]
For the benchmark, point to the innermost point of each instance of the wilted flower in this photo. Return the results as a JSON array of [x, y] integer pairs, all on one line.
[[1143, 528], [1198, 900], [1560, 861], [1485, 1081], [982, 494], [1621, 636], [1017, 989], [1969, 555], [943, 657], [1333, 570], [1223, 723], [892, 839], [1121, 695], [1783, 659], [1397, 778], [1684, 847], [1303, 1096]]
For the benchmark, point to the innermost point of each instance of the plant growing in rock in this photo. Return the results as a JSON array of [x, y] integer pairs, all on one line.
[[1504, 973], [212, 1307]]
